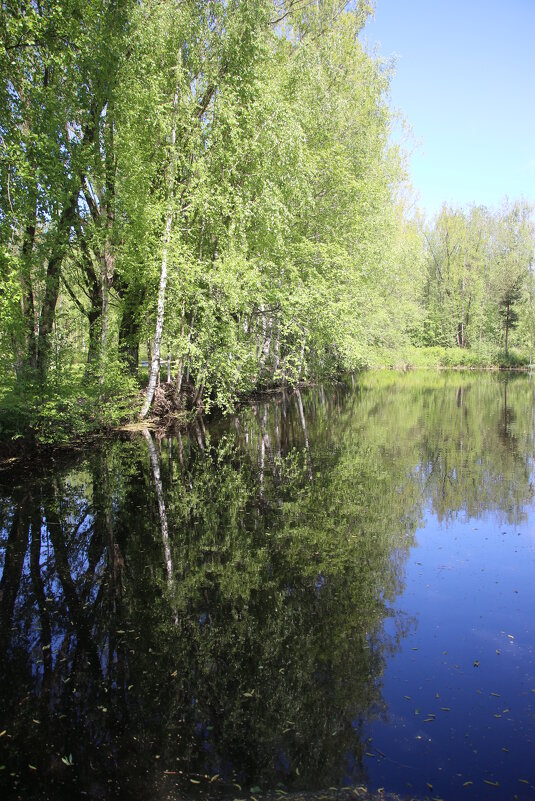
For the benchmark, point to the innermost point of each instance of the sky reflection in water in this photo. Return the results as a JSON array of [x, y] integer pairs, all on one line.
[[329, 589]]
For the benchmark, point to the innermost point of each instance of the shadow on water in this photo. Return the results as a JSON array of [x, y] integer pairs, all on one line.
[[212, 614]]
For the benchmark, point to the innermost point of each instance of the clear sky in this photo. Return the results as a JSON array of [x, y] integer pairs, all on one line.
[[465, 82]]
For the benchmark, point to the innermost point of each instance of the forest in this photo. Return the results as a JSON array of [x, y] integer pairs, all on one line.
[[203, 198]]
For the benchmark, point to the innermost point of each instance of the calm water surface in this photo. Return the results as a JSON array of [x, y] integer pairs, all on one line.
[[332, 588]]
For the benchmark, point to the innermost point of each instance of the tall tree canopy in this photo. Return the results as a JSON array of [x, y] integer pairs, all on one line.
[[214, 183]]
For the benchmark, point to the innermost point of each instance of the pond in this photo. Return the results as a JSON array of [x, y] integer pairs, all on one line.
[[333, 588]]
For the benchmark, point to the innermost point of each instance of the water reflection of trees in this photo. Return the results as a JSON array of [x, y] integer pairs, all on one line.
[[470, 438], [166, 619], [172, 610]]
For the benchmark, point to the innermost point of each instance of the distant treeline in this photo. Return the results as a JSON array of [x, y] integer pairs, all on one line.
[[479, 289], [214, 183]]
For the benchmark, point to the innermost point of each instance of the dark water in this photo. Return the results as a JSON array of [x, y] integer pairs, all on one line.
[[331, 589]]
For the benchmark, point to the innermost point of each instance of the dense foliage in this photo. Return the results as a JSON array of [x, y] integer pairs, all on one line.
[[213, 184], [479, 288]]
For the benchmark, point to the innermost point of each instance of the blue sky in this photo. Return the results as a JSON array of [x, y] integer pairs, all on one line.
[[465, 83]]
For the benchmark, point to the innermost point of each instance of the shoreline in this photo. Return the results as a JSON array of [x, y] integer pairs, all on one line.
[[24, 450]]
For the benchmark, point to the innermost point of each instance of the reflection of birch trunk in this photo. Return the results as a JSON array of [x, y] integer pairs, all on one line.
[[198, 434], [305, 432], [155, 362], [505, 408], [164, 527], [261, 466], [266, 448], [155, 464], [460, 404], [277, 436], [262, 457]]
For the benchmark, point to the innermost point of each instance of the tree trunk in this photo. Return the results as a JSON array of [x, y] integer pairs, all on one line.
[[155, 362], [301, 358], [53, 271], [128, 341], [28, 307], [108, 258], [94, 315]]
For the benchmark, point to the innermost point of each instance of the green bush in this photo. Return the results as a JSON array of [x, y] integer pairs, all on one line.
[[72, 404]]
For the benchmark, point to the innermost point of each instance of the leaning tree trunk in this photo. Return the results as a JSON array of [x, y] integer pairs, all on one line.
[[155, 362]]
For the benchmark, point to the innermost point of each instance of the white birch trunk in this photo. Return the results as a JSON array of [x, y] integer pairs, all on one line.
[[155, 362]]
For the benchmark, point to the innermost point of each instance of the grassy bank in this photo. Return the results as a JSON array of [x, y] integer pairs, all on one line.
[[74, 406], [413, 358]]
